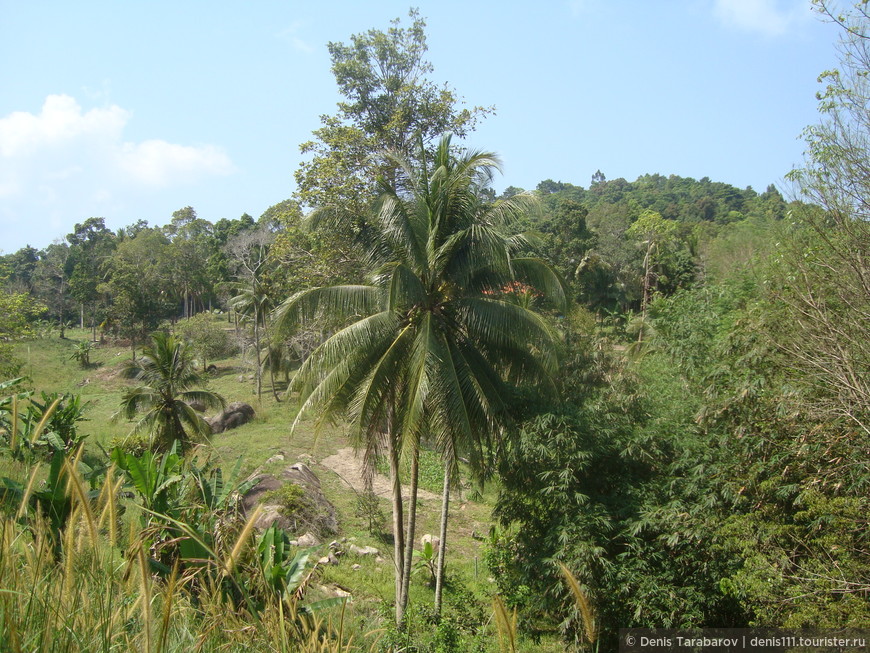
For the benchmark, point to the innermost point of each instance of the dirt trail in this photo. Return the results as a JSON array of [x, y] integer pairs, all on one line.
[[348, 466]]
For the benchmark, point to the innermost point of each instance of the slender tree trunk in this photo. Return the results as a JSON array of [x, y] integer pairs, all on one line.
[[442, 535], [272, 376], [644, 302], [412, 525], [257, 347], [82, 316], [398, 530]]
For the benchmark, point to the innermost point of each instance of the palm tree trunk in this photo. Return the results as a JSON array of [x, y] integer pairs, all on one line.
[[442, 535], [398, 530], [412, 525], [257, 348], [272, 375]]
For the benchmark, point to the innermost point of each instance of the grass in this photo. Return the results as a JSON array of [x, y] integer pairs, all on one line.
[[107, 573]]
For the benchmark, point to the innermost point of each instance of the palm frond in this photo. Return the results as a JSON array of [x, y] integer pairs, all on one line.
[[338, 301]]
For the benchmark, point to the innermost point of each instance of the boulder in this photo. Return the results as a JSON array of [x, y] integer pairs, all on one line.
[[363, 550], [236, 414], [308, 540], [318, 517]]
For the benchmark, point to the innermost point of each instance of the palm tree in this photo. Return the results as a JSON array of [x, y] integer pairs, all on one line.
[[429, 343], [254, 300], [168, 378]]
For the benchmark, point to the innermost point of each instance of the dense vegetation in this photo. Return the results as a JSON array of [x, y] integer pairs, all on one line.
[[686, 429]]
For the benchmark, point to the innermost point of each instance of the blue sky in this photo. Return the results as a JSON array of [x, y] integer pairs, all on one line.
[[132, 110]]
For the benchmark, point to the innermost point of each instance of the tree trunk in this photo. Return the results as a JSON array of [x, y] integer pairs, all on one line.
[[644, 302], [272, 376], [257, 347], [398, 530], [82, 316], [442, 535], [412, 524]]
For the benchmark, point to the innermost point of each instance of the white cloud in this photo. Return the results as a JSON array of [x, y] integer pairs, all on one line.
[[61, 121], [767, 17], [159, 163], [62, 143], [63, 163]]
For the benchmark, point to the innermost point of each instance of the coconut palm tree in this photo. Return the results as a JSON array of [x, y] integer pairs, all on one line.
[[254, 301], [429, 344], [168, 380]]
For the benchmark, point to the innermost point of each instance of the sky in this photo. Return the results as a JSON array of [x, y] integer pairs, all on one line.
[[131, 110]]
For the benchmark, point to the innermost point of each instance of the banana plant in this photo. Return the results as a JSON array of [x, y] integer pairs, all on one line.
[[156, 478], [215, 492], [286, 570], [53, 498]]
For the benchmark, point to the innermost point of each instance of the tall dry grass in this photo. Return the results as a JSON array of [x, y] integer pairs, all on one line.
[[95, 589]]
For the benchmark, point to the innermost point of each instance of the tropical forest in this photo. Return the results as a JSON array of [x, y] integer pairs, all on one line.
[[408, 410]]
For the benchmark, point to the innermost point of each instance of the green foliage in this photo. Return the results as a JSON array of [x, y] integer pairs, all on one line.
[[68, 568], [427, 559], [432, 339], [167, 378], [138, 272], [205, 338], [389, 103], [369, 507], [293, 502], [34, 429], [618, 484], [82, 353]]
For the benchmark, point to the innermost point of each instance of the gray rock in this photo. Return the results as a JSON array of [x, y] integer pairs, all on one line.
[[363, 550], [319, 516], [233, 416], [308, 540]]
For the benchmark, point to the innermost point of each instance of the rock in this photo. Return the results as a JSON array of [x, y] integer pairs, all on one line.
[[356, 567], [233, 416], [308, 540], [318, 515], [334, 591], [434, 540], [328, 560], [363, 550], [379, 559], [278, 457]]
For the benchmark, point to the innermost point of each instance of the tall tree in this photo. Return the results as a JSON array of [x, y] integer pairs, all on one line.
[[168, 383], [249, 256], [389, 104], [139, 277], [431, 340], [829, 294], [51, 283], [91, 245]]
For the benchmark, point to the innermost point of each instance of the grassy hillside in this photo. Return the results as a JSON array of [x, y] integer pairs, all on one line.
[[467, 625]]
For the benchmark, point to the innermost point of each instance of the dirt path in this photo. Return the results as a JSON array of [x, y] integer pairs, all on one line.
[[348, 467]]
